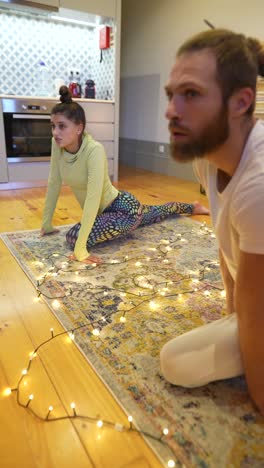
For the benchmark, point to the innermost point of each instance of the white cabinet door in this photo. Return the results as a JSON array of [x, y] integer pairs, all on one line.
[[101, 131], [110, 167], [100, 117], [98, 111], [97, 7]]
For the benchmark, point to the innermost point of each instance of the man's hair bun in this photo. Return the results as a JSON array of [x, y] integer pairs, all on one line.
[[257, 49]]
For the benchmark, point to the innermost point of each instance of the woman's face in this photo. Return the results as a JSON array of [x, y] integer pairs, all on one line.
[[66, 133]]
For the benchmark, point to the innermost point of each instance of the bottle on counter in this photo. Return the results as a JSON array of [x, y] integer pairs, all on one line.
[[72, 85], [89, 91], [79, 86], [44, 80]]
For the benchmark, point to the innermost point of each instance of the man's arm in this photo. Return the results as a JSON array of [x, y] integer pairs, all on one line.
[[228, 284], [249, 305]]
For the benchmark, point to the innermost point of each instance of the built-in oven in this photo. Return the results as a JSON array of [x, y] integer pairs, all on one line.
[[27, 129]]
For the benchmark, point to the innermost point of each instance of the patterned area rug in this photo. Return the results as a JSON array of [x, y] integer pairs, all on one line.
[[161, 281]]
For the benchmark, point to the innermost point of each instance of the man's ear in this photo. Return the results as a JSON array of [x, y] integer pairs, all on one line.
[[240, 102]]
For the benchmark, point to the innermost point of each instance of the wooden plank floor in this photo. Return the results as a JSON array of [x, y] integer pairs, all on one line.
[[61, 374]]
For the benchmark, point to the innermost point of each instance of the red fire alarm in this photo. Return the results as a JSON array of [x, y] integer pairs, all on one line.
[[104, 37]]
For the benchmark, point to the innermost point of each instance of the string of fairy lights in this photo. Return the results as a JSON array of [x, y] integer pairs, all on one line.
[[152, 291]]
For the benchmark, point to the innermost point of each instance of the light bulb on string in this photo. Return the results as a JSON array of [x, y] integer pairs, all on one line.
[[73, 407], [171, 464], [165, 431], [30, 398], [50, 409], [164, 241], [130, 420], [37, 299], [99, 423], [122, 319], [96, 332]]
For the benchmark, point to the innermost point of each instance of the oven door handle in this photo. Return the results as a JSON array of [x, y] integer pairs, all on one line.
[[31, 116]]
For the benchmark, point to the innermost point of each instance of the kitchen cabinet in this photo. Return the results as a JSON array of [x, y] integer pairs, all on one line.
[[100, 117], [3, 164], [96, 7]]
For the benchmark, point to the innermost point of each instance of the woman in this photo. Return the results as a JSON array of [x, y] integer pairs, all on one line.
[[80, 162]]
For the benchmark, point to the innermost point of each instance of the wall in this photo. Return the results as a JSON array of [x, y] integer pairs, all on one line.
[[151, 35], [27, 39], [98, 7]]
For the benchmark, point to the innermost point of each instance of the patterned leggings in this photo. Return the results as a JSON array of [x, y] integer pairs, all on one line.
[[123, 216]]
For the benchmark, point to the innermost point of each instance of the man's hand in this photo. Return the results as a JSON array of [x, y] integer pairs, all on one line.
[[44, 233], [249, 305], [89, 260]]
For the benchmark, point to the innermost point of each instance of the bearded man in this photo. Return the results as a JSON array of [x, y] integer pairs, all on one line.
[[211, 99]]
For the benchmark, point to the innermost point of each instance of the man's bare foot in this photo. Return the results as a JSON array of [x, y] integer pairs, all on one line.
[[199, 209]]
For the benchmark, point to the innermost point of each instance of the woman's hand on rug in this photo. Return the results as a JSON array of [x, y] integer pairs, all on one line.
[[89, 260], [44, 233]]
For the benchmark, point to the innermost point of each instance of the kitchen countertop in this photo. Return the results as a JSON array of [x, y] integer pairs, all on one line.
[[52, 98]]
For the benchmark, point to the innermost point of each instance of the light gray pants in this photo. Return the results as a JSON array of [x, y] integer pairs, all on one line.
[[207, 353]]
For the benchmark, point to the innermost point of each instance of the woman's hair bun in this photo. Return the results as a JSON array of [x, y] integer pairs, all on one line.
[[65, 95]]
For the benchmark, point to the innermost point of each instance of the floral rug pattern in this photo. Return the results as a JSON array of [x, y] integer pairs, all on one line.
[[157, 283]]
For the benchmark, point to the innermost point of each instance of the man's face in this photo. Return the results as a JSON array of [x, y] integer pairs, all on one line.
[[198, 119]]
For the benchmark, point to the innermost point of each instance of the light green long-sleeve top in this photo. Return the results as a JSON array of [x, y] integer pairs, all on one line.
[[86, 172]]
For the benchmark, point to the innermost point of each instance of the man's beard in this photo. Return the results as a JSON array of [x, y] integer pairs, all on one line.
[[210, 138]]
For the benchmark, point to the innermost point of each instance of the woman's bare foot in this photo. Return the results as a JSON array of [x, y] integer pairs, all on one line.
[[199, 209]]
